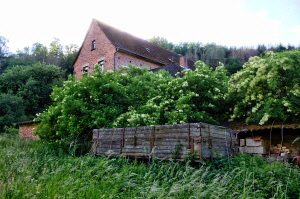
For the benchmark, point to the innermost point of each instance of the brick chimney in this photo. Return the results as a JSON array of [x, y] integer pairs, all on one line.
[[184, 62]]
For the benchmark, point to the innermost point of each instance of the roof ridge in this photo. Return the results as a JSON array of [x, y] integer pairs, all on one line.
[[137, 45]]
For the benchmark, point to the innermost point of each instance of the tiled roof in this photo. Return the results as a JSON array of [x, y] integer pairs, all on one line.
[[173, 69], [27, 122], [140, 47]]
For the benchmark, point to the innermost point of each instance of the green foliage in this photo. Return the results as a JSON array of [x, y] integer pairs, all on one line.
[[11, 110], [30, 169], [199, 95], [55, 54], [68, 59], [162, 42], [268, 88], [132, 97], [11, 131], [32, 83], [3, 53], [95, 101], [233, 65]]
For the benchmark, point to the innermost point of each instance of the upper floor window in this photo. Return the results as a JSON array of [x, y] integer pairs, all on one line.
[[93, 45]]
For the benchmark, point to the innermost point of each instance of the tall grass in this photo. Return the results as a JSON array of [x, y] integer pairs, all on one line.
[[30, 169]]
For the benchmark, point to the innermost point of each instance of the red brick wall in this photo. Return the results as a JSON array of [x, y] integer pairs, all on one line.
[[123, 59], [104, 49], [183, 61], [26, 131]]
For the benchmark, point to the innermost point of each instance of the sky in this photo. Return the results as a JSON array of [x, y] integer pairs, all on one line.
[[224, 22]]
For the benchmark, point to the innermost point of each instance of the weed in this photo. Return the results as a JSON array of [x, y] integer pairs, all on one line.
[[31, 169]]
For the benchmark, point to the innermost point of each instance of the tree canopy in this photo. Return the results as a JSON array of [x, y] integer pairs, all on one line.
[[29, 87], [268, 88]]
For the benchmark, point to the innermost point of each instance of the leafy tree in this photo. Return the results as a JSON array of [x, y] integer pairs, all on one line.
[[261, 49], [32, 83], [268, 88], [55, 52], [214, 54], [21, 58], [280, 48], [11, 110], [162, 42], [199, 95], [95, 101], [39, 52], [232, 65], [70, 54], [3, 53]]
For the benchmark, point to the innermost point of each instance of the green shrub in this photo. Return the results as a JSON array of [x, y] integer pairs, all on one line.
[[94, 101], [25, 90], [11, 110], [267, 88], [197, 96], [132, 97]]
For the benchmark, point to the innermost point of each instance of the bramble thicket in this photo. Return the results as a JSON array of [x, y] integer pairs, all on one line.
[[267, 88]]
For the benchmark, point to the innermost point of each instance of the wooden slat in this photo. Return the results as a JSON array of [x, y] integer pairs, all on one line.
[[138, 141]]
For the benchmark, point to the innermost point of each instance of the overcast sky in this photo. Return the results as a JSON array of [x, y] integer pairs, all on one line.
[[225, 22]]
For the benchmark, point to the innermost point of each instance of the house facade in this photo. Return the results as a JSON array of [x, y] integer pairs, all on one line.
[[112, 48]]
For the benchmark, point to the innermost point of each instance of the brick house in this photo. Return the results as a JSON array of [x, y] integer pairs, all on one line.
[[112, 48], [26, 130]]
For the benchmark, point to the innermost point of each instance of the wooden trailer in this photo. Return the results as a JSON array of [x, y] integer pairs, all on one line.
[[178, 141]]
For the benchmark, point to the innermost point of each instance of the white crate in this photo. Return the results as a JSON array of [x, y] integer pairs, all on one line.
[[251, 142], [253, 149]]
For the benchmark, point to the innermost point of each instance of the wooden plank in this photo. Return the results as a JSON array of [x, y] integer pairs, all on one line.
[[172, 136], [135, 147], [172, 126], [166, 147], [171, 131], [139, 151], [173, 143], [166, 153], [109, 146], [109, 141], [135, 155], [107, 151], [95, 134]]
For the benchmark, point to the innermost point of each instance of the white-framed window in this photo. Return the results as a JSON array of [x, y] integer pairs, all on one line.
[[85, 68], [93, 45], [101, 64]]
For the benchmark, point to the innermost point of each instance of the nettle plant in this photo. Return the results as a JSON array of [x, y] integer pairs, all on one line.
[[267, 88]]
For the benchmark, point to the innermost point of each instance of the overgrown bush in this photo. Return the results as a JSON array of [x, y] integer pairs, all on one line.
[[132, 97], [31, 86], [267, 88], [197, 96], [95, 101], [11, 110]]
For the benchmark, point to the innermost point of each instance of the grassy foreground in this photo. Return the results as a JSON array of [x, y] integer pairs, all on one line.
[[30, 169]]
